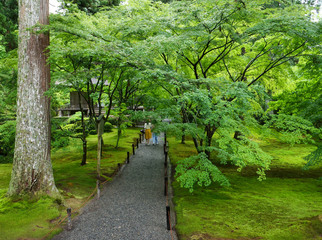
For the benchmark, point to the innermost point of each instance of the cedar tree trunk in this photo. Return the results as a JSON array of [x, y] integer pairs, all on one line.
[[32, 172]]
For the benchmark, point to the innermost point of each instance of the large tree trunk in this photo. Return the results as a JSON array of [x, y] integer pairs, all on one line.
[[32, 172]]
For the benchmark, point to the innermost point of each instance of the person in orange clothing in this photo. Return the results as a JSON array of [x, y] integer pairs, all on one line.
[[148, 134]]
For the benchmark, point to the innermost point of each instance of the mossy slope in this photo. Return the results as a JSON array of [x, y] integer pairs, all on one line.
[[284, 206]]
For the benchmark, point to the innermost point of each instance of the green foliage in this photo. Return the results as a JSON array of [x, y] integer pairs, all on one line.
[[8, 82], [108, 61], [112, 121], [294, 129], [91, 128], [75, 118], [241, 153], [143, 116], [91, 6], [198, 169], [59, 138], [303, 95], [232, 111], [303, 100], [60, 97], [7, 141], [314, 158], [73, 126], [65, 128], [9, 24], [108, 127], [207, 65]]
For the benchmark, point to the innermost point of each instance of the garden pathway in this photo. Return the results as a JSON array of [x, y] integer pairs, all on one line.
[[131, 207]]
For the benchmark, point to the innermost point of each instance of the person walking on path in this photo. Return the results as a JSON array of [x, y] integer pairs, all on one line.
[[155, 132], [147, 129]]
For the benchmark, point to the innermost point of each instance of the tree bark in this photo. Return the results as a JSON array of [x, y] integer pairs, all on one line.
[[119, 131], [210, 131], [84, 134], [195, 141], [237, 135], [32, 172], [183, 139], [84, 158]]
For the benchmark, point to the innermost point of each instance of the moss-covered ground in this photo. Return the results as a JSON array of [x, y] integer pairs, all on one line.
[[31, 219], [285, 206]]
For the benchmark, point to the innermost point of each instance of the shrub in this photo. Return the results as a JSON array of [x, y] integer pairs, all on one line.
[[77, 117], [294, 129], [59, 138], [90, 127], [7, 140], [108, 127], [112, 120]]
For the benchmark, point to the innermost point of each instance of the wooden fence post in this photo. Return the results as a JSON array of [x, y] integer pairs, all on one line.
[[133, 148], [168, 217], [69, 222], [98, 185], [128, 157]]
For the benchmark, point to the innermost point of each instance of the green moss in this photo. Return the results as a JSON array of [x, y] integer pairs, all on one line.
[[34, 219], [79, 180], [5, 174], [26, 218], [284, 206]]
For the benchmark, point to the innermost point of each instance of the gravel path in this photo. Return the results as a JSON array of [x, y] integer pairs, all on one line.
[[132, 207]]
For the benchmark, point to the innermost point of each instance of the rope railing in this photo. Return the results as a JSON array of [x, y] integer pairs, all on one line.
[[69, 210]]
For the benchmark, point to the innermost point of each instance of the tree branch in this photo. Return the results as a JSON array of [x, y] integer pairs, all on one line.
[[276, 63]]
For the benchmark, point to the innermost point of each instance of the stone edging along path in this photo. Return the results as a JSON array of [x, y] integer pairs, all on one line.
[[132, 206]]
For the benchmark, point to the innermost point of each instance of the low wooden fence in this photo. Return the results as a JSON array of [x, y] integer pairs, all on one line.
[[96, 191], [168, 193]]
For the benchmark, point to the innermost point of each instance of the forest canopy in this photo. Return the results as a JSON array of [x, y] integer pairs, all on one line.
[[217, 69]]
